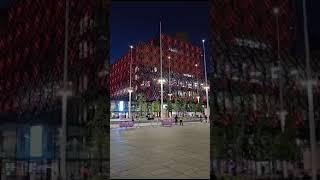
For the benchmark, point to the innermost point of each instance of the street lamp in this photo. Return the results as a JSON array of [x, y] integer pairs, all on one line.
[[169, 79], [65, 93], [198, 95], [310, 95], [162, 80], [282, 114], [130, 88], [205, 74]]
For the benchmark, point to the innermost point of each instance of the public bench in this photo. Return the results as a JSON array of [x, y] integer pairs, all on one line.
[[126, 124], [166, 122]]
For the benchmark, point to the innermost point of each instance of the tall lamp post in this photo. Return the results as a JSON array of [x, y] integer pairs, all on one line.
[[169, 94], [282, 113], [161, 79], [169, 59], [130, 88], [310, 95], [206, 87], [64, 92], [198, 95]]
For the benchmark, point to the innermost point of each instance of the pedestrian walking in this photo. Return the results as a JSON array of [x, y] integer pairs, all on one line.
[[132, 119], [306, 176], [263, 170], [72, 176], [181, 122], [200, 118], [84, 172], [206, 118], [176, 120]]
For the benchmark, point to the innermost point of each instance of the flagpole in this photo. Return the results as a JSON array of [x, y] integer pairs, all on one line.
[[310, 96], [161, 80]]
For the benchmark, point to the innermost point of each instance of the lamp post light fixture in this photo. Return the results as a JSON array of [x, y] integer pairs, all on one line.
[[206, 87], [198, 98], [276, 10], [130, 88], [161, 81]]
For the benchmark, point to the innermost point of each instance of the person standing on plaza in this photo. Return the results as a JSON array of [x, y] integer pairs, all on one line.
[[72, 176], [176, 120], [181, 122], [84, 172], [206, 118]]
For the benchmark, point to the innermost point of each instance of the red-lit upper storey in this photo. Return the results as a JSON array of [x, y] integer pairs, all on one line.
[[245, 21], [32, 50], [185, 60]]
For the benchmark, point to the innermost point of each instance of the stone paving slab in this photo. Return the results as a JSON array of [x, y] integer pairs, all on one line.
[[155, 153]]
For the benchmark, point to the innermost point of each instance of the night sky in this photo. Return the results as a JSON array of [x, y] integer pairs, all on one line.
[[131, 22]]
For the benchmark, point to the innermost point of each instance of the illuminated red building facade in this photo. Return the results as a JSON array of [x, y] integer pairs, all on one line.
[[249, 20], [32, 40], [244, 40], [32, 52], [245, 80], [186, 70]]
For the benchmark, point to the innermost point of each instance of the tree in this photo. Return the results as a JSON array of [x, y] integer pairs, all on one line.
[[169, 107], [285, 146], [142, 104], [193, 107], [184, 107], [199, 107], [155, 107], [99, 128], [180, 106], [175, 107]]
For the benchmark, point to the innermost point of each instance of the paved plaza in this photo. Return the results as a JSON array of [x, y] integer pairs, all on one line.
[[162, 152]]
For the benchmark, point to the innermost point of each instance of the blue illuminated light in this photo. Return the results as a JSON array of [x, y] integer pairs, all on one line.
[[121, 106]]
